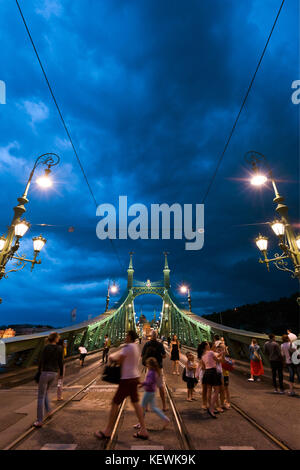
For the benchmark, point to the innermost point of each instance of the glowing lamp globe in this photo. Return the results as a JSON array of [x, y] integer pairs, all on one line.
[[21, 228], [38, 243], [258, 180], [262, 243]]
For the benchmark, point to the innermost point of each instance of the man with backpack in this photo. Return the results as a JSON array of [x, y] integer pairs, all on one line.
[[154, 348]]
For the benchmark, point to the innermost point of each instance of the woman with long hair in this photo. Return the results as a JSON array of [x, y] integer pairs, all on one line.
[[175, 354]]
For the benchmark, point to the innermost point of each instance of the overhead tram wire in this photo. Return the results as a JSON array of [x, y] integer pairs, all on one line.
[[64, 123], [241, 108]]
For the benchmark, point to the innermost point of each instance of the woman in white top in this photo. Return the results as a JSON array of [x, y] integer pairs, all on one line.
[[287, 349], [128, 357]]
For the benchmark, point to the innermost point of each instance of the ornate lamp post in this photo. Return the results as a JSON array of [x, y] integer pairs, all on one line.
[[10, 243], [287, 240], [186, 290], [113, 289]]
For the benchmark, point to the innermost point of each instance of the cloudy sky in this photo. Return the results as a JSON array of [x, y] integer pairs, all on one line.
[[149, 90]]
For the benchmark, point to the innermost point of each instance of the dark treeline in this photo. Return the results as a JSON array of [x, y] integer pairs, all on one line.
[[263, 317]]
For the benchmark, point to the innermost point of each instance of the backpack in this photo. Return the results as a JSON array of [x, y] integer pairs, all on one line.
[[151, 351]]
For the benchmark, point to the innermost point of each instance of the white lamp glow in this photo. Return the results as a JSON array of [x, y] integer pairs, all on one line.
[[21, 228], [38, 243], [2, 243], [45, 181], [278, 228], [262, 243], [113, 288], [258, 180]]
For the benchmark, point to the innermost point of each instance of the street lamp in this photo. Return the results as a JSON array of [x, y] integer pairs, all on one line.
[[10, 243], [113, 289], [185, 290], [288, 242]]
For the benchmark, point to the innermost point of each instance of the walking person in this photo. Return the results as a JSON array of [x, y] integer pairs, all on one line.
[[150, 383], [273, 351], [201, 371], [50, 362], [211, 378], [175, 354], [256, 365], [155, 348], [61, 345], [287, 349], [128, 357], [106, 347], [169, 341], [83, 353]]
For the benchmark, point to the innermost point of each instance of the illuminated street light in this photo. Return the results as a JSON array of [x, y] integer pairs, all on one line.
[[258, 180], [288, 243], [185, 290], [10, 243], [113, 289], [45, 181], [278, 228]]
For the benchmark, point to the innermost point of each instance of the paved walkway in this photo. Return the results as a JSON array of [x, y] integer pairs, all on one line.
[[75, 424]]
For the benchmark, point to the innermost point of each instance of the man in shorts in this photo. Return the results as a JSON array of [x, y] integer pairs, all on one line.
[[128, 357]]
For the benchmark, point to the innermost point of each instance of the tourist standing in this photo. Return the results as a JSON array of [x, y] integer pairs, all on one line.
[[106, 347], [154, 348], [175, 354], [287, 349], [150, 383], [273, 352], [211, 378], [256, 365], [83, 353], [61, 345], [128, 357], [292, 336], [50, 362], [190, 372]]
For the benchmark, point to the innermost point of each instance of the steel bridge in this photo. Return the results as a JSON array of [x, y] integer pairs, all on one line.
[[24, 351]]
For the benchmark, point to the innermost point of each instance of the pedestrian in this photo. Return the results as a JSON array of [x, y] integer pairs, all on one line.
[[154, 348], [211, 378], [61, 345], [216, 341], [292, 336], [169, 341], [273, 351], [175, 354], [128, 357], [201, 371], [83, 353], [50, 362], [150, 383], [220, 399], [287, 349], [106, 347], [256, 365], [190, 375]]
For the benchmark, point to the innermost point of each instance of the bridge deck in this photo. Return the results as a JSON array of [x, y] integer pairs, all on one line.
[[77, 421]]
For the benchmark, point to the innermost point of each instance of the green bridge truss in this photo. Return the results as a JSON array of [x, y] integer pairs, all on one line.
[[191, 329]]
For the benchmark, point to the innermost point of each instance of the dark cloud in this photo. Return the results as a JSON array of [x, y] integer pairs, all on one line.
[[150, 91]]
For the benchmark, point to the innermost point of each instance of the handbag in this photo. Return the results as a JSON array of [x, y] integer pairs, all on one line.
[[184, 377], [112, 374]]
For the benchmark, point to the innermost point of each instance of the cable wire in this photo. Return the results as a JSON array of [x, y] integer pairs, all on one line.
[[241, 108], [63, 121]]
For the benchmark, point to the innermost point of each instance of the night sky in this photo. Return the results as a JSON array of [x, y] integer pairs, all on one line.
[[150, 90]]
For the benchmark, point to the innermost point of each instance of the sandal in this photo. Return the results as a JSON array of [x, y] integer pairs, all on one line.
[[140, 436], [211, 414], [37, 424], [101, 436]]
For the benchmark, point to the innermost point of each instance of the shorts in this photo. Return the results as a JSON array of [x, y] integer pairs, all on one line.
[[190, 382], [82, 356], [212, 378], [226, 380], [127, 388]]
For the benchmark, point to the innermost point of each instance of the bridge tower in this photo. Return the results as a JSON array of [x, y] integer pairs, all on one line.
[[130, 272], [166, 272]]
